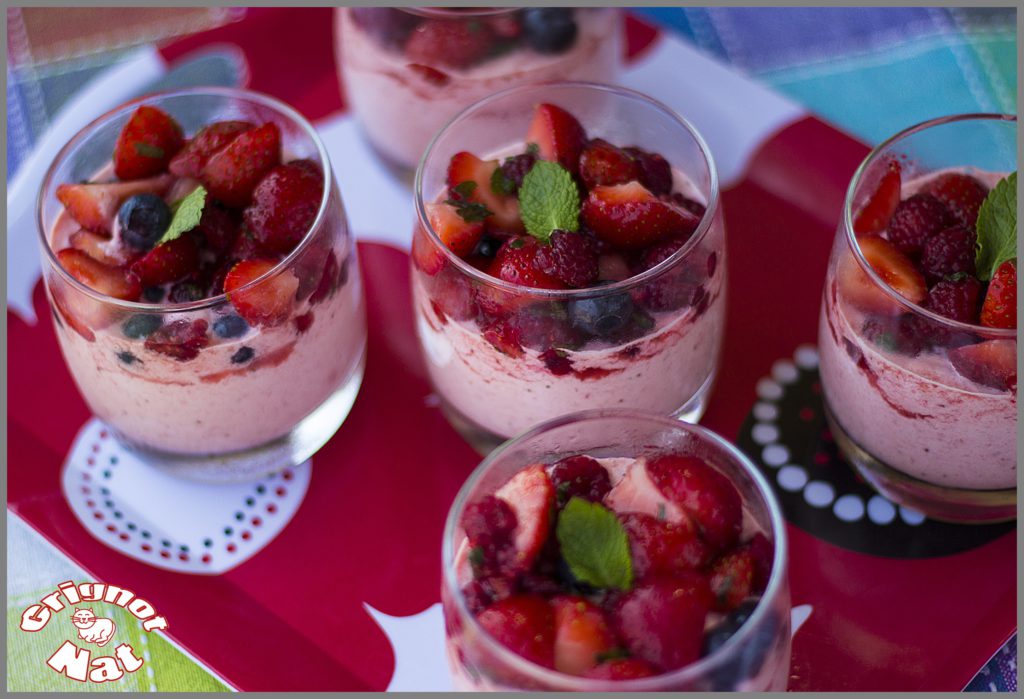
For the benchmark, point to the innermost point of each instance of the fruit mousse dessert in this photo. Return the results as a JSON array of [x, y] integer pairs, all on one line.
[[918, 340], [433, 62], [204, 287], [572, 273], [600, 571]]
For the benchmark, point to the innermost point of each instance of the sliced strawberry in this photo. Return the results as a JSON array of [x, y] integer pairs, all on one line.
[[516, 262], [180, 339], [732, 579], [891, 265], [460, 235], [189, 162], [874, 216], [1000, 307], [168, 262], [663, 548], [525, 624], [637, 493], [284, 206], [601, 163], [622, 669], [962, 195], [992, 363], [582, 634], [532, 497], [79, 313], [426, 256], [147, 142], [454, 43], [558, 135], [117, 282], [466, 167], [505, 337], [704, 493], [100, 248], [629, 216], [232, 173], [269, 302], [95, 206]]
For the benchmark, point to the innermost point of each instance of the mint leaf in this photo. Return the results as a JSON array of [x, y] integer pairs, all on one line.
[[470, 211], [595, 545], [549, 200], [185, 214], [464, 189], [501, 184], [997, 228]]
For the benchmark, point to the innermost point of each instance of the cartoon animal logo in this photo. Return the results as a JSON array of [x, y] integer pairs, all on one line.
[[92, 629]]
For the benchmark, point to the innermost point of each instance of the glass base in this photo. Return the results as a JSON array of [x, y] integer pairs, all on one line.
[[954, 505], [252, 464]]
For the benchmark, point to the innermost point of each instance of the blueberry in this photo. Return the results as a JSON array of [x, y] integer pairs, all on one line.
[[549, 29], [716, 637], [153, 294], [602, 316], [143, 219], [185, 292], [230, 326], [487, 247], [141, 325], [748, 658], [243, 355], [127, 357]]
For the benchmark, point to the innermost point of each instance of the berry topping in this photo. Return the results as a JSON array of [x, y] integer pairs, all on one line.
[[141, 325], [233, 172], [147, 142], [168, 262], [549, 29], [582, 634], [267, 303], [660, 548], [284, 205], [525, 624], [558, 136], [100, 248], [532, 497], [704, 493], [470, 180], [622, 669], [116, 282], [460, 235], [556, 361], [514, 169], [732, 579], [630, 216], [894, 268], [915, 221], [219, 226], [143, 218], [189, 162], [655, 172], [1000, 307], [582, 477], [570, 258], [95, 205], [180, 339], [516, 262], [992, 363], [957, 299], [430, 75], [961, 194], [490, 525], [949, 252], [230, 326], [601, 163], [602, 316], [721, 632], [875, 214], [453, 43], [505, 337]]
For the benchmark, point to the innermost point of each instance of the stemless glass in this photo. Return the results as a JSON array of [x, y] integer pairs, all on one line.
[[756, 658], [226, 408], [907, 395], [407, 71], [659, 351]]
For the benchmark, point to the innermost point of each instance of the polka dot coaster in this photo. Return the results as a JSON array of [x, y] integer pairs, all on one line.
[[170, 522]]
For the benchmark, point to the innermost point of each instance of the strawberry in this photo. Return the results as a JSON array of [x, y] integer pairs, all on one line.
[[601, 163], [100, 248], [504, 337], [147, 142], [662, 622], [663, 548], [79, 313], [704, 493], [460, 235], [622, 669], [284, 206], [516, 263], [117, 282], [426, 256], [219, 227], [629, 216], [525, 624], [636, 492], [962, 195], [992, 363], [653, 170], [732, 579], [466, 167], [266, 304], [582, 634], [95, 206], [891, 265], [449, 42], [168, 261], [452, 296], [179, 339], [329, 281], [191, 159], [558, 135], [232, 173], [571, 258], [532, 497], [1000, 307], [873, 217]]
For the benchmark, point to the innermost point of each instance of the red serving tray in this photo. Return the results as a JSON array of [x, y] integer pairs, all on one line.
[[370, 528]]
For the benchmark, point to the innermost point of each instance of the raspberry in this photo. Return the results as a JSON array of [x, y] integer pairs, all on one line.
[[694, 207], [489, 524], [556, 361], [516, 167], [961, 194], [570, 257], [655, 172], [580, 476], [484, 592], [661, 251], [957, 299], [915, 221], [948, 252]]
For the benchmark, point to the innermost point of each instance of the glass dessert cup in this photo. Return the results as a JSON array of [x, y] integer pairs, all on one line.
[[755, 658], [434, 62], [904, 387], [243, 401], [663, 358]]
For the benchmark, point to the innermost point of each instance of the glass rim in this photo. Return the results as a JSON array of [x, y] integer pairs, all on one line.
[[563, 681], [632, 282], [851, 236], [458, 12], [89, 130]]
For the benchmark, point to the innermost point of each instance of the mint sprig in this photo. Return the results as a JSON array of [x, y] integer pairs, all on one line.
[[595, 545], [185, 214], [997, 228], [549, 200]]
